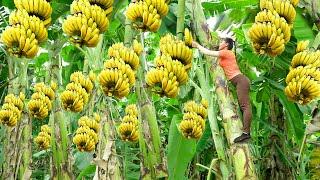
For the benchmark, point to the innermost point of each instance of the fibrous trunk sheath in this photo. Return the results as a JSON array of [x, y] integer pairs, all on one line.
[[241, 157]]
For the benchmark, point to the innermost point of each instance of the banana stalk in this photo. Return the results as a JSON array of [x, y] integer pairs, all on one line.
[[129, 33], [180, 18], [241, 158]]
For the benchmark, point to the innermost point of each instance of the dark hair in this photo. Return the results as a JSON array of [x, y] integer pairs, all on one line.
[[230, 43]]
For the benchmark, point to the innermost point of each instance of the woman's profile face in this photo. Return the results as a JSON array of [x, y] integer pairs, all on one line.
[[223, 45]]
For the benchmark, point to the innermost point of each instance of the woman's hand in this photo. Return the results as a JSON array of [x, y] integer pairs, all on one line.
[[195, 44]]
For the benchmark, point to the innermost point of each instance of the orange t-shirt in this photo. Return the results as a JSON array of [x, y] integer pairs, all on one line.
[[228, 62]]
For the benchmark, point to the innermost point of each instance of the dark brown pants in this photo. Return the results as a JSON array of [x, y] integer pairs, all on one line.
[[242, 84]]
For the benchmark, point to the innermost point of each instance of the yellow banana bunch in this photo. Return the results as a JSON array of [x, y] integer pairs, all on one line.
[[303, 80], [118, 50], [193, 122], [10, 112], [41, 101], [178, 51], [129, 127], [27, 27], [154, 77], [168, 38], [131, 119], [128, 132], [160, 5], [95, 12], [265, 39], [305, 58], [12, 108], [303, 90], [86, 136], [88, 19], [170, 86], [39, 8], [86, 130], [131, 114], [44, 137], [272, 27], [284, 8], [106, 5], [32, 23], [262, 32], [76, 87], [171, 66], [84, 142], [85, 121], [188, 37], [266, 15], [144, 16], [46, 90], [303, 71], [86, 83], [302, 46], [163, 78], [77, 92], [82, 31], [114, 83], [137, 47], [194, 117], [199, 109], [42, 97], [174, 66], [8, 118], [16, 101], [118, 75], [9, 115], [131, 110], [46, 129], [115, 48], [20, 42], [190, 129], [125, 69], [280, 23], [38, 109], [71, 101]]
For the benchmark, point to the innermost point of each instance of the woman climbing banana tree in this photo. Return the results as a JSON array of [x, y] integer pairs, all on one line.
[[103, 89]]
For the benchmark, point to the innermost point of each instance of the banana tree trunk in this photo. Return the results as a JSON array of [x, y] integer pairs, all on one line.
[[17, 147], [205, 93], [108, 166], [60, 142], [212, 117], [106, 160], [241, 157], [153, 163]]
